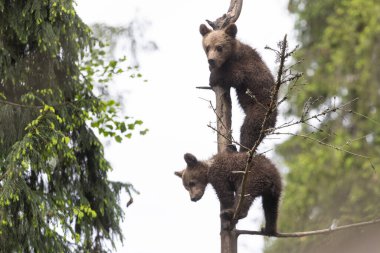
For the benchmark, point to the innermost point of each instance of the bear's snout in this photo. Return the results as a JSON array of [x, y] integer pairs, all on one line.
[[196, 193], [195, 199], [212, 63]]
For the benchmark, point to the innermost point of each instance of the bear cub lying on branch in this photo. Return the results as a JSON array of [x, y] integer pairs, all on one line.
[[234, 64], [263, 180]]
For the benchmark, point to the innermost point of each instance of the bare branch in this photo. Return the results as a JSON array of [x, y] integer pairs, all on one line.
[[227, 137], [309, 233], [273, 104], [315, 116], [249, 93], [325, 144], [366, 117], [223, 125], [230, 17], [204, 87]]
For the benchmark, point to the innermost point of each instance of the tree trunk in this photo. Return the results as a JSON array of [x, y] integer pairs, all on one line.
[[228, 238], [223, 115], [228, 241]]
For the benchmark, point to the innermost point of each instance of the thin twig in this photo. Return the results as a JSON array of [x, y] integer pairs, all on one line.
[[232, 140], [249, 93], [309, 233], [35, 106], [366, 117], [316, 116], [204, 87], [324, 143], [222, 123]]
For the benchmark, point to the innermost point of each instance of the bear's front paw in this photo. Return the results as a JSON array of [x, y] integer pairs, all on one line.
[[227, 214]]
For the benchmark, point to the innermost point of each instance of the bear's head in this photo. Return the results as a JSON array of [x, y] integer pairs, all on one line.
[[218, 44], [194, 177]]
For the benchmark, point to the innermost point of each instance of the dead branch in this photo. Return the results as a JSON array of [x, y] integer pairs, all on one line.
[[230, 17], [325, 144], [229, 138], [273, 104], [365, 117], [204, 87], [315, 116], [225, 122], [250, 94], [332, 229]]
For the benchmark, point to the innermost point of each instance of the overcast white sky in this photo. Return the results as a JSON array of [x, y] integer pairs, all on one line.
[[162, 218]]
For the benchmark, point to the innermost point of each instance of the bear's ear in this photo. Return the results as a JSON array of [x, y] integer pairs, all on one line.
[[190, 159], [178, 173], [231, 30], [203, 29]]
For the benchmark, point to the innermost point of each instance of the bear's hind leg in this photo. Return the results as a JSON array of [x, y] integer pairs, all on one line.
[[270, 205], [250, 130], [249, 133], [245, 205]]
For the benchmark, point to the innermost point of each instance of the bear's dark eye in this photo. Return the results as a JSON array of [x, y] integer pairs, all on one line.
[[219, 49], [192, 183], [207, 49]]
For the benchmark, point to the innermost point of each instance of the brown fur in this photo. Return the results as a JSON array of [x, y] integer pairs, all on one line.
[[234, 64], [263, 180]]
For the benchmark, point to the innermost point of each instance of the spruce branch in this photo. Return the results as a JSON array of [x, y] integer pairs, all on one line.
[[20, 105], [6, 102]]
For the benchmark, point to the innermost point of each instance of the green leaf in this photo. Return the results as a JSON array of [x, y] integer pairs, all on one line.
[[118, 138], [113, 63]]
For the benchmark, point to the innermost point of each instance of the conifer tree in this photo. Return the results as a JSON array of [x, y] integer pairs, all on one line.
[[54, 191]]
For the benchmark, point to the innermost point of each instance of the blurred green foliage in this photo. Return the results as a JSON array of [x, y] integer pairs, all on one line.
[[340, 49]]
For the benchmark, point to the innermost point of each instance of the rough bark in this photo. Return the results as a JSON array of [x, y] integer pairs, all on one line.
[[223, 110]]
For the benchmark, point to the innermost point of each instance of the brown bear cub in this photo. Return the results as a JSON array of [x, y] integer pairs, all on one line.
[[263, 180], [234, 64]]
